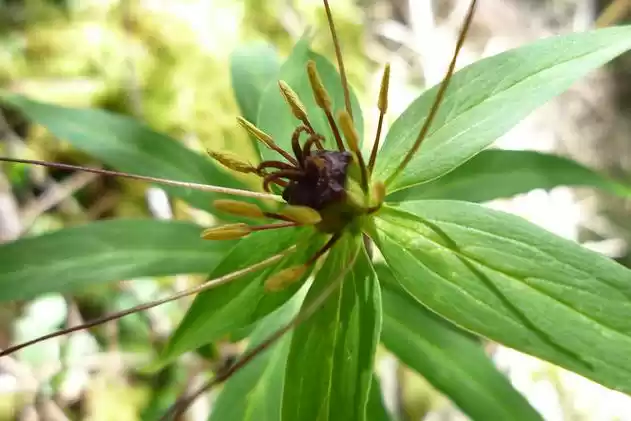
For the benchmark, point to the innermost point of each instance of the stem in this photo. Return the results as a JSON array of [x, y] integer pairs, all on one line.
[[439, 96], [195, 186], [119, 314], [340, 61]]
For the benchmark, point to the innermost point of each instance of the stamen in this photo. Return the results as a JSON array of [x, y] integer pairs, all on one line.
[[167, 182], [352, 138], [297, 108], [378, 196], [266, 227], [213, 283], [324, 101], [284, 278], [382, 105], [238, 208], [439, 96], [340, 61], [265, 138], [232, 162], [304, 215], [226, 232]]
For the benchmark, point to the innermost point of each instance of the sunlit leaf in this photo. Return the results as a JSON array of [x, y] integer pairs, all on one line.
[[487, 98], [450, 359], [496, 173], [127, 145], [515, 283], [330, 363], [99, 252], [274, 115], [243, 301], [254, 393]]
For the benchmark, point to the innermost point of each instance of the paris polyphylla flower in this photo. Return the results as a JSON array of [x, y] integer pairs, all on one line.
[[325, 184]]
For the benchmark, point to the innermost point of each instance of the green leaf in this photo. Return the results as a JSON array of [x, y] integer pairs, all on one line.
[[254, 393], [99, 252], [275, 117], [487, 98], [496, 173], [243, 301], [127, 145], [330, 364], [515, 283], [451, 360], [376, 406], [253, 67]]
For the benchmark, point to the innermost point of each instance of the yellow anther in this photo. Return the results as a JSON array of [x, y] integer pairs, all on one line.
[[232, 161], [302, 214], [379, 192], [348, 128], [319, 91], [236, 207], [284, 278], [383, 92], [297, 108], [226, 232], [256, 132]]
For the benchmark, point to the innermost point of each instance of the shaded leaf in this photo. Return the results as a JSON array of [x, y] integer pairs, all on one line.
[[100, 252], [496, 173], [243, 301], [330, 363], [485, 99], [254, 393], [450, 359], [515, 283], [128, 145], [253, 66], [275, 117]]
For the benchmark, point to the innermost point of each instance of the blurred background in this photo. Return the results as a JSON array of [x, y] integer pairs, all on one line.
[[167, 63]]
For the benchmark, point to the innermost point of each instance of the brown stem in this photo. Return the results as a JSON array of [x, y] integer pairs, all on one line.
[[340, 61], [113, 316]]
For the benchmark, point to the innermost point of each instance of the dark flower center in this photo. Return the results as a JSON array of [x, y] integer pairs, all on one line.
[[321, 182]]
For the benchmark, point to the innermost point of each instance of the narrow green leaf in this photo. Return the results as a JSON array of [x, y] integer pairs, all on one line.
[[243, 301], [100, 252], [515, 283], [127, 145], [496, 173], [330, 363], [451, 360], [376, 408], [253, 66], [275, 117], [487, 98], [254, 393]]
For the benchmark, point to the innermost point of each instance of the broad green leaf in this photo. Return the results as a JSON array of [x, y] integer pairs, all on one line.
[[127, 145], [254, 393], [515, 283], [275, 117], [253, 66], [496, 173], [376, 408], [100, 252], [451, 360], [330, 364], [243, 301], [486, 99]]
